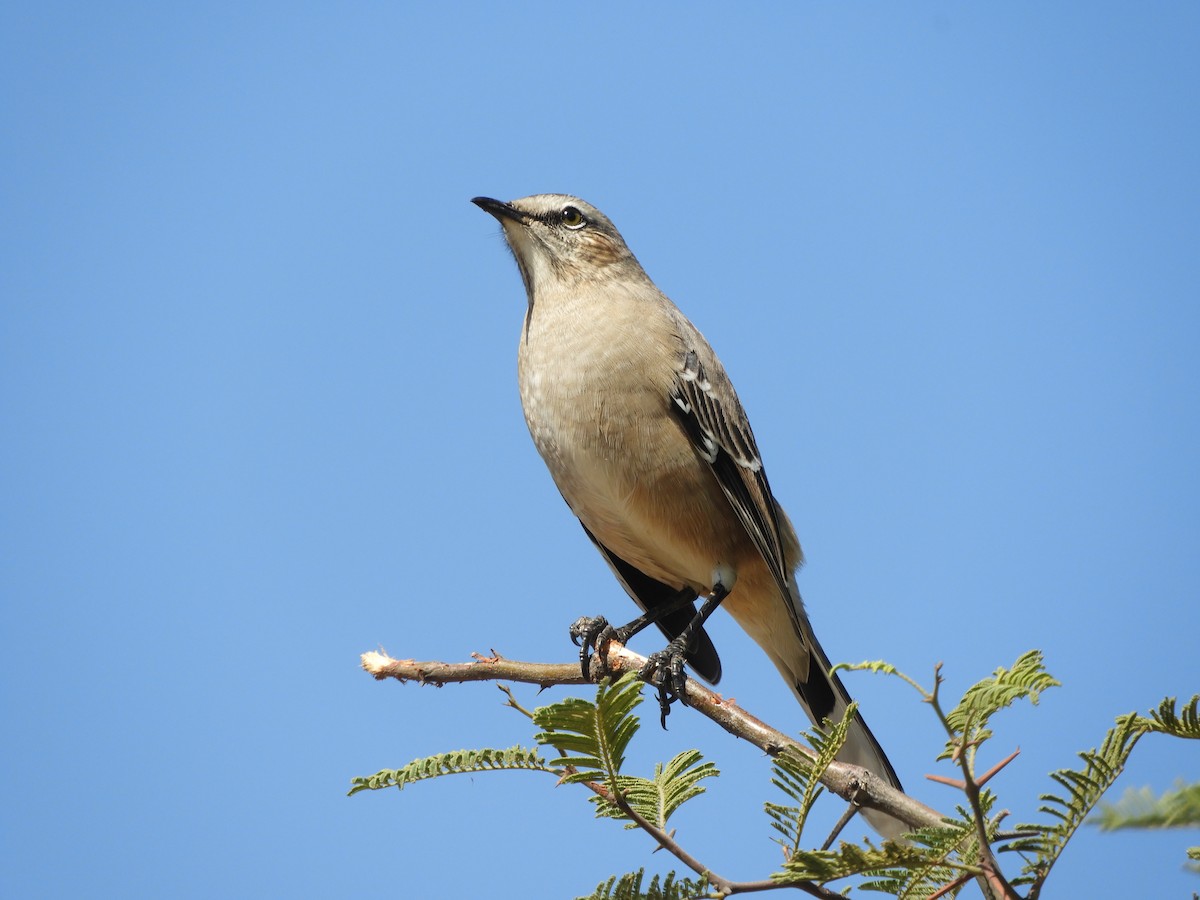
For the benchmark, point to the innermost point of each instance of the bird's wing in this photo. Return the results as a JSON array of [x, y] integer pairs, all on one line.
[[704, 402]]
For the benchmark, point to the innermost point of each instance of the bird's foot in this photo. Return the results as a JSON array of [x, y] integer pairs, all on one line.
[[591, 636], [665, 671]]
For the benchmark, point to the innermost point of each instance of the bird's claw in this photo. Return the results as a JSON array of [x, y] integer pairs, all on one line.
[[665, 671], [591, 635]]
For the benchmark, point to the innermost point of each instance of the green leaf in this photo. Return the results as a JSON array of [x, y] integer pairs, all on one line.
[[798, 777], [457, 762], [948, 851], [1083, 789], [629, 887], [1185, 724], [1140, 808], [592, 737], [655, 799], [1026, 679], [928, 861], [875, 666], [850, 859]]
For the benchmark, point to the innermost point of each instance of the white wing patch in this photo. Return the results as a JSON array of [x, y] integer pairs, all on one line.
[[695, 398], [715, 422]]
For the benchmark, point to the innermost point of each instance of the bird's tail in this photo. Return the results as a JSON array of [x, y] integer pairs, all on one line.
[[823, 696]]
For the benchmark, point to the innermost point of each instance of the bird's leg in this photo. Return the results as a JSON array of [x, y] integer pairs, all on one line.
[[593, 634], [665, 668]]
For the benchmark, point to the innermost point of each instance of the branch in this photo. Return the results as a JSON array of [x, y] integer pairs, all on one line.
[[992, 881], [850, 782], [724, 886]]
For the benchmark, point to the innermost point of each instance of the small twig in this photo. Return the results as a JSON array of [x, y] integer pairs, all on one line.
[[842, 822], [808, 887], [668, 843], [666, 840], [724, 886], [512, 701]]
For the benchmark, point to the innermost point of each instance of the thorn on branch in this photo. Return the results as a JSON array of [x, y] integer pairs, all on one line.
[[986, 776], [951, 887]]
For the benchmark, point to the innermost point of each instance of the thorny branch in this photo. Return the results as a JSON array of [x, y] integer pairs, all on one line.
[[843, 779], [992, 881], [850, 782]]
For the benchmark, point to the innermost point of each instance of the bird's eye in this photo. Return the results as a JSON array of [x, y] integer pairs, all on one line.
[[573, 218]]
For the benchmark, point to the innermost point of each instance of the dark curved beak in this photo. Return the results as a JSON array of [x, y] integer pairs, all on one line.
[[498, 208]]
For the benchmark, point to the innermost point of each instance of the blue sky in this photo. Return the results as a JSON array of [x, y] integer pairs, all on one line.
[[257, 353]]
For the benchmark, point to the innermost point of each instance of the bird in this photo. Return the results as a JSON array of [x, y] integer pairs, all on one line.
[[649, 445]]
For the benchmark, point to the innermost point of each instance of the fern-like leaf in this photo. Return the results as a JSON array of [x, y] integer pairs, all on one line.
[[592, 737], [1166, 720], [950, 850], [1027, 678], [1179, 808], [629, 887], [799, 778], [454, 763], [1083, 789], [875, 666], [850, 859], [655, 799]]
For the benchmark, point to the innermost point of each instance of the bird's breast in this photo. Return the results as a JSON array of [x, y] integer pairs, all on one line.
[[596, 396], [593, 393]]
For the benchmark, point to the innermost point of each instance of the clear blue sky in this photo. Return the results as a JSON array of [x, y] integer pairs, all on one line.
[[259, 408]]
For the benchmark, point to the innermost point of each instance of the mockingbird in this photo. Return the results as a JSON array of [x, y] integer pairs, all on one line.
[[648, 443]]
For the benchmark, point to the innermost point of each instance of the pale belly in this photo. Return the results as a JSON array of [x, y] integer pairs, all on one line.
[[629, 473]]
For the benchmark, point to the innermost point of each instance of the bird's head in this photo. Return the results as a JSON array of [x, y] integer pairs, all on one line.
[[559, 240]]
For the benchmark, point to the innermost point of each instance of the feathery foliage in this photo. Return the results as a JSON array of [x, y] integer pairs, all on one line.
[[1083, 789], [849, 859], [656, 798], [629, 887], [457, 762], [932, 859], [799, 777], [1179, 808], [950, 852], [969, 720], [1140, 808], [1166, 720], [591, 737]]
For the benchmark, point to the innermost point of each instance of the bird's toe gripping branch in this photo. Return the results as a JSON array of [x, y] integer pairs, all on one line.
[[591, 634], [665, 670]]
